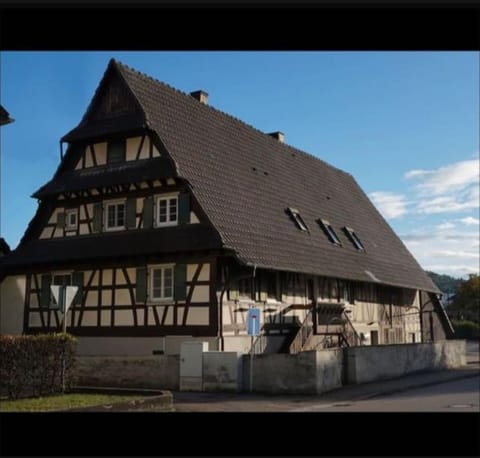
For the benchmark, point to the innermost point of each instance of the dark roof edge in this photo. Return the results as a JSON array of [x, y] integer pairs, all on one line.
[[269, 267]]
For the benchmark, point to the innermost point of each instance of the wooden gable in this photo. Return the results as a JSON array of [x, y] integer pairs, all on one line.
[[114, 100]]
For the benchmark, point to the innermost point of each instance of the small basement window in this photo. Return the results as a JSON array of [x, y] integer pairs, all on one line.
[[295, 215], [328, 229], [354, 238]]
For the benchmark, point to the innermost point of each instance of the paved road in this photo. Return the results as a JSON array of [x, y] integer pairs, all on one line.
[[456, 396]]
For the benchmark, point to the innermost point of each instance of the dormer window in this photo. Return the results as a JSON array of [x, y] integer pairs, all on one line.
[[330, 233], [354, 238], [116, 151], [295, 215]]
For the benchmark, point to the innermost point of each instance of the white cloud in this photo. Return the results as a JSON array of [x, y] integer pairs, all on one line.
[[447, 204], [445, 248], [453, 177], [391, 205], [446, 226], [470, 221], [453, 254]]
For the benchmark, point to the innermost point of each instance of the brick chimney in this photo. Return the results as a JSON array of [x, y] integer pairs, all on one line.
[[201, 96], [280, 136]]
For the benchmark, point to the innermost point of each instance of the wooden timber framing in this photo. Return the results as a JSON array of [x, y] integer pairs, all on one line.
[[108, 304]]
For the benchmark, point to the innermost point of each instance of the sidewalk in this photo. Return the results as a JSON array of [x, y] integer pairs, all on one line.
[[246, 402]]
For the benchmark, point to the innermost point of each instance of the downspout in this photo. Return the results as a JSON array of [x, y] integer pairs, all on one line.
[[221, 340], [253, 282]]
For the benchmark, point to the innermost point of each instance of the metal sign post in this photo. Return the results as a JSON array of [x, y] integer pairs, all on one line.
[[63, 296], [253, 329]]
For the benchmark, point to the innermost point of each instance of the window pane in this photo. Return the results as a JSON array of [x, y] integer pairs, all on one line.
[[111, 216], [162, 210], [168, 280], [120, 215], [157, 283], [173, 209], [62, 280], [167, 292]]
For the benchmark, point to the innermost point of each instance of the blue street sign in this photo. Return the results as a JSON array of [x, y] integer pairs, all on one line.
[[253, 322]]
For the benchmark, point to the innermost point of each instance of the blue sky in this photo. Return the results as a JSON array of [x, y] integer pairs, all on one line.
[[404, 124]]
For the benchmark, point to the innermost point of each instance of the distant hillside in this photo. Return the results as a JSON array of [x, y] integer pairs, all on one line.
[[445, 283]]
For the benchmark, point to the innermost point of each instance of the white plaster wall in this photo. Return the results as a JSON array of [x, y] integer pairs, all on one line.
[[12, 299]]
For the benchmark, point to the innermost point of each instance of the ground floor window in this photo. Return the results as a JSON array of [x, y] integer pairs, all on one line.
[[161, 286]]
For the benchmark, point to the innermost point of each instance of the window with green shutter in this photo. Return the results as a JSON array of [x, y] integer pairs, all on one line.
[[131, 213], [141, 286], [97, 217], [184, 208], [77, 280], [180, 282], [116, 151], [148, 213]]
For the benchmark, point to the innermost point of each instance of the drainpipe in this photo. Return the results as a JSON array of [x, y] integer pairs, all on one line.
[[253, 282], [221, 340]]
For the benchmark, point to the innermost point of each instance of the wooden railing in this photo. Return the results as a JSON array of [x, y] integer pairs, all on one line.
[[303, 334]]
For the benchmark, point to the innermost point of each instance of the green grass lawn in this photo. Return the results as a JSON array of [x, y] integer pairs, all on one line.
[[62, 402]]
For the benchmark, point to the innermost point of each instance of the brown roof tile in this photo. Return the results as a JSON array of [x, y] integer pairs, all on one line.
[[245, 179]]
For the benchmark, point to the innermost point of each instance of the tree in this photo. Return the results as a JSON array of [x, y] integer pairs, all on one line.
[[466, 303], [446, 284]]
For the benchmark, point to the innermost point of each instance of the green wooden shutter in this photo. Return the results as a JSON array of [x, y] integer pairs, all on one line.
[[46, 295], [233, 293], [141, 288], [131, 213], [180, 278], [77, 280], [116, 150], [183, 208], [97, 217], [61, 220], [148, 213]]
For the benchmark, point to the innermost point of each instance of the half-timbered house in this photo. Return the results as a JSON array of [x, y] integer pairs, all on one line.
[[174, 218]]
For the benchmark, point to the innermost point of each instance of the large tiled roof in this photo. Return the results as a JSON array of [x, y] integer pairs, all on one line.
[[245, 180]]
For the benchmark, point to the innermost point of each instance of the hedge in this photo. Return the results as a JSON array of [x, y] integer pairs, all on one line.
[[32, 365], [466, 329]]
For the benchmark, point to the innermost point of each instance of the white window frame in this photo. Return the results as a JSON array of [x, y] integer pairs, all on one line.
[[68, 212], [161, 267], [105, 210], [168, 197]]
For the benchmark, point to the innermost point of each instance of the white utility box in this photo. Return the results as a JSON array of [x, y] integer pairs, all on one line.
[[191, 363]]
